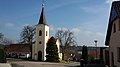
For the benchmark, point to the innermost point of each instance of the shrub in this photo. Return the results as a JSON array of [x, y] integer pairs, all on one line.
[[2, 56]]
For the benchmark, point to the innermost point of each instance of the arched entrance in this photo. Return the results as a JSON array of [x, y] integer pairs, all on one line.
[[39, 55]]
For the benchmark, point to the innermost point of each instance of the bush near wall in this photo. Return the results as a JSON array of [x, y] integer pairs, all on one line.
[[2, 56]]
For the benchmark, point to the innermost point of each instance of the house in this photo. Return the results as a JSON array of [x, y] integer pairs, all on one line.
[[91, 51], [18, 50], [113, 35], [41, 38]]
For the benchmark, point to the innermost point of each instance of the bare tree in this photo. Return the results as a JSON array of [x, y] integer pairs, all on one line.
[[4, 40], [67, 40], [66, 37], [1, 35], [1, 38], [27, 34], [60, 35]]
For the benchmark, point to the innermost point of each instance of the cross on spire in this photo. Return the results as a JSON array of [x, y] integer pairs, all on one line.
[[43, 3]]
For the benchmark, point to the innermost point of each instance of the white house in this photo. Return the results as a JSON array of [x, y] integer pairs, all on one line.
[[113, 35]]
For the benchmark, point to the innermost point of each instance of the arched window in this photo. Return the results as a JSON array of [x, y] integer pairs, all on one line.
[[40, 33], [46, 33]]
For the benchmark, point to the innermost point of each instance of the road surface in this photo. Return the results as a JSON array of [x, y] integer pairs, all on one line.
[[24, 63]]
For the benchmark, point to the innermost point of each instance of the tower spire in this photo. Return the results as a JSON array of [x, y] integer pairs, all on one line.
[[42, 19]]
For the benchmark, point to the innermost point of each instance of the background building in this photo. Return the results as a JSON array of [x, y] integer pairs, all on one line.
[[18, 50]]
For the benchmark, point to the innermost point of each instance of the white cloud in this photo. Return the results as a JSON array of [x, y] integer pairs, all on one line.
[[88, 32], [75, 30], [9, 25], [63, 28], [87, 37], [91, 33], [52, 28], [100, 34], [26, 24], [91, 9], [83, 36]]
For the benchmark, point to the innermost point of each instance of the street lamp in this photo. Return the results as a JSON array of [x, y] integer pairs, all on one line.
[[96, 47]]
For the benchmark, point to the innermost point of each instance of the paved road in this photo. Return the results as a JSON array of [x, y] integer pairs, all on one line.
[[23, 63], [95, 65], [5, 65], [44, 64]]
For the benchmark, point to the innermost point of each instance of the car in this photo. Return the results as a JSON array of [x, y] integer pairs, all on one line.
[[22, 56]]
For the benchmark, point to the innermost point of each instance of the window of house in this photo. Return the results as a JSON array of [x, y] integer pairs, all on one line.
[[118, 54], [114, 28], [119, 25], [40, 33], [46, 33]]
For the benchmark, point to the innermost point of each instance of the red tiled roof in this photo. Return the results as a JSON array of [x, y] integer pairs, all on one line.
[[17, 48], [49, 39]]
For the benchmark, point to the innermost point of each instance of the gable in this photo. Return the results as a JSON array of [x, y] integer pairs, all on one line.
[[114, 14]]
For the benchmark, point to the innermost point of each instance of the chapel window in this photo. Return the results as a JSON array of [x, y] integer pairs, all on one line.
[[40, 33]]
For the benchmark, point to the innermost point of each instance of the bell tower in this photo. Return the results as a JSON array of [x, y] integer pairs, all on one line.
[[42, 36]]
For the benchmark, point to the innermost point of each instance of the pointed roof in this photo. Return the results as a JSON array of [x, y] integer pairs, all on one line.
[[114, 14], [42, 19]]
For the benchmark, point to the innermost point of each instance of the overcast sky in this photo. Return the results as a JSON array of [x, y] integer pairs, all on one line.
[[88, 19]]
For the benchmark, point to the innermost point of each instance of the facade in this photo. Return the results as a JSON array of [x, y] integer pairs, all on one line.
[[58, 45], [41, 39], [113, 35]]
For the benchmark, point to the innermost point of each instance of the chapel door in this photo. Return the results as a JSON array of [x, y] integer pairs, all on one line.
[[39, 55]]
